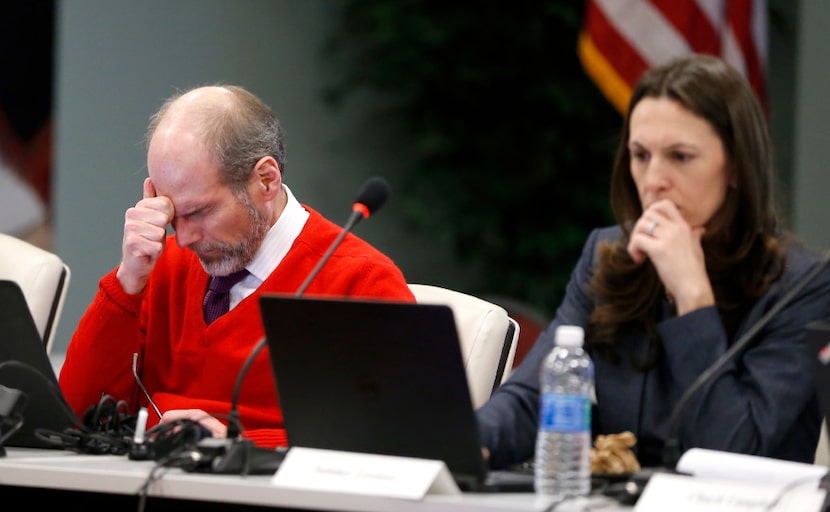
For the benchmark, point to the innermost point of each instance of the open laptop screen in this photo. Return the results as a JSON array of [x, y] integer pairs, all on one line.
[[374, 377], [25, 366]]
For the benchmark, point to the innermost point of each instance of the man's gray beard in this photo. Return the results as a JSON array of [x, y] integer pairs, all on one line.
[[236, 257]]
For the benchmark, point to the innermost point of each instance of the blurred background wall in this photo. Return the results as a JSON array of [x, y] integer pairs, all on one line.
[[116, 60]]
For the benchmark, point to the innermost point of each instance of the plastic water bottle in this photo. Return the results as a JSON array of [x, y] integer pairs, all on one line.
[[563, 443]]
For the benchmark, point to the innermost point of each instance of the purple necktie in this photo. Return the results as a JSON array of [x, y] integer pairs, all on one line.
[[218, 299]]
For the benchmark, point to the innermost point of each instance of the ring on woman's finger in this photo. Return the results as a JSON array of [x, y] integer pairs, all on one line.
[[650, 230]]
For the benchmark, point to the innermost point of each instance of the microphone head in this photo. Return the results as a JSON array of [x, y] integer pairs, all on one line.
[[374, 194]]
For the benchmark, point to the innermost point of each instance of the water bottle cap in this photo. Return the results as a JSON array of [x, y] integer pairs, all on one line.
[[570, 335]]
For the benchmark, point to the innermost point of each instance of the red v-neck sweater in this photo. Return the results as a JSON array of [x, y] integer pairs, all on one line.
[[186, 364]]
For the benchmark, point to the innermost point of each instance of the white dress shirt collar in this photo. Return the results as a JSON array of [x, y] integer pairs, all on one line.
[[275, 246]]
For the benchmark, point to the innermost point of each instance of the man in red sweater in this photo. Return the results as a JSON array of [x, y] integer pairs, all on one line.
[[215, 161]]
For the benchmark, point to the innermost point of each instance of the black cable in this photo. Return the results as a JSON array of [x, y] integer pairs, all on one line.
[[8, 430], [14, 363], [172, 445], [234, 422], [824, 484], [788, 487], [141, 385], [155, 475], [105, 429]]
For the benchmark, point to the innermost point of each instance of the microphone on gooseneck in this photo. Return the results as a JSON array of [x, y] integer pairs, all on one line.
[[672, 450], [372, 196]]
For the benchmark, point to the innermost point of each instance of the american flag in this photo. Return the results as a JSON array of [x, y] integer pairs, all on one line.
[[620, 39]]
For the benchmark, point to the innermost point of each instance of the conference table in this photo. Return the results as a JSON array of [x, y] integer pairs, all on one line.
[[57, 476], [48, 476]]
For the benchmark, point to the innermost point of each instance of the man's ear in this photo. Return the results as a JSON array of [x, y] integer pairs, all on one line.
[[267, 176]]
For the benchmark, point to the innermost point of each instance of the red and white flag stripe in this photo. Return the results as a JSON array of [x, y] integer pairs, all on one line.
[[621, 39]]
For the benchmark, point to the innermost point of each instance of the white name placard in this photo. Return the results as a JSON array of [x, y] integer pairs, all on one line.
[[680, 493], [362, 473], [741, 467]]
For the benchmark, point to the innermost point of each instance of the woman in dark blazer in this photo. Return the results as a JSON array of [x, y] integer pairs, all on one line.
[[696, 260]]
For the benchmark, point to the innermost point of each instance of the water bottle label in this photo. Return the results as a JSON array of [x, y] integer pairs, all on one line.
[[565, 413]]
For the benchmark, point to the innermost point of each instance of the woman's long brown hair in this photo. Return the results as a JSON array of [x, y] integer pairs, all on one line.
[[743, 247]]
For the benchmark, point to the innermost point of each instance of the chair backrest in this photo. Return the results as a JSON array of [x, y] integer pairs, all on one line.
[[532, 321], [487, 334], [823, 448], [42, 276]]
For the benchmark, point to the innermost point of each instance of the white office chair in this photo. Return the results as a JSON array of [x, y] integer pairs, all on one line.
[[487, 334], [42, 276], [823, 448]]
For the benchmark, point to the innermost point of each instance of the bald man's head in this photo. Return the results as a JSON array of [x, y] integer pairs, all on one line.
[[230, 122]]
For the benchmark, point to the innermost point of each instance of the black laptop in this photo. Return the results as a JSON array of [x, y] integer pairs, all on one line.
[[378, 377], [25, 366]]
